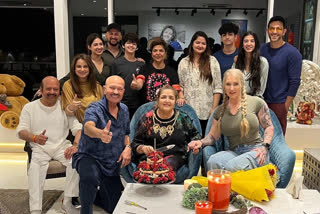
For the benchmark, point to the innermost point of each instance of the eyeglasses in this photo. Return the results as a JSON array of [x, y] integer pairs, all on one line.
[[278, 29]]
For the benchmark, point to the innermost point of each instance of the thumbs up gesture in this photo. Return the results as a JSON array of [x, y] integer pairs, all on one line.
[[75, 104], [134, 84], [41, 138], [106, 135]]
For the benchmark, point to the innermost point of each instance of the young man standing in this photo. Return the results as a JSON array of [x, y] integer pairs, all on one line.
[[225, 56], [128, 67], [285, 63]]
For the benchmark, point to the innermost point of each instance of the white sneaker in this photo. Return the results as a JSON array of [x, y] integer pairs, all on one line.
[[69, 208], [36, 212]]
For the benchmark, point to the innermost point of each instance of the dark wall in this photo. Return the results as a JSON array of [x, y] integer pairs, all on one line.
[[83, 26], [27, 30]]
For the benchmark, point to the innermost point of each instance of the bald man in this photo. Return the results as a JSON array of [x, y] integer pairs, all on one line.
[[45, 125], [104, 147]]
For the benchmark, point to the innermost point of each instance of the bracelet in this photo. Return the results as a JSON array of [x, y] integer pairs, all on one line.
[[266, 145], [34, 138], [128, 145], [69, 109]]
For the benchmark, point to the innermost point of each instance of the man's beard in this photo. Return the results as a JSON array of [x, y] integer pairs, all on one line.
[[116, 44]]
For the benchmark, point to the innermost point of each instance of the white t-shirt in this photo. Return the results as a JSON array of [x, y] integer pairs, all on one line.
[[36, 117]]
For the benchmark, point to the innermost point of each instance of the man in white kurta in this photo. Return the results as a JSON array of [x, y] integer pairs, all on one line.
[[45, 125]]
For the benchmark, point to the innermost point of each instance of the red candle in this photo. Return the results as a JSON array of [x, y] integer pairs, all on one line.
[[219, 185], [203, 207]]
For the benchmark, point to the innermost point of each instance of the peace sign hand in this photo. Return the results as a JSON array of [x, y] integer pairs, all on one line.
[[134, 84]]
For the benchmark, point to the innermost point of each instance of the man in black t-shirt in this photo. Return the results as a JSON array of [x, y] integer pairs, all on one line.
[[126, 66]]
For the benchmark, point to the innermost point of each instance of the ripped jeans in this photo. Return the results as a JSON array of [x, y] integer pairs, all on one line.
[[242, 158]]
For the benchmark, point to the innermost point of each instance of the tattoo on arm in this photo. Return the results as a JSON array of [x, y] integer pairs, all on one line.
[[208, 140], [266, 123], [268, 134], [264, 117]]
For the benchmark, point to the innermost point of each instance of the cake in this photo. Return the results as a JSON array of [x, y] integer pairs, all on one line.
[[155, 170]]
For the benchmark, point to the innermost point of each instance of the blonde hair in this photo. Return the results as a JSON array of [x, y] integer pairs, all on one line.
[[244, 126]]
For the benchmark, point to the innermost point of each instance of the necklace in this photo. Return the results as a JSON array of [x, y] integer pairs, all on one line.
[[166, 129]]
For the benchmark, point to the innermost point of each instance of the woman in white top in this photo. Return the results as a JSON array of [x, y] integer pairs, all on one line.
[[200, 78], [254, 67]]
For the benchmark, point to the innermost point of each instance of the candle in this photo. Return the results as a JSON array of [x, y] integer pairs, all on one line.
[[203, 207], [219, 185]]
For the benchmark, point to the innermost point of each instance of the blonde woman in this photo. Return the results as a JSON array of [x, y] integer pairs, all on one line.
[[238, 118]]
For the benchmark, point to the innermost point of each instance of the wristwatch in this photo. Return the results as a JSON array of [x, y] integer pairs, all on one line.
[[267, 145]]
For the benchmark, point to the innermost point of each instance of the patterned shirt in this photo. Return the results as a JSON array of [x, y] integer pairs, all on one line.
[[106, 154], [182, 133], [198, 92], [157, 78]]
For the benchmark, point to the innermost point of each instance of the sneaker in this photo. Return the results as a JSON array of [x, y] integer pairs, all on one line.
[[69, 208], [76, 202]]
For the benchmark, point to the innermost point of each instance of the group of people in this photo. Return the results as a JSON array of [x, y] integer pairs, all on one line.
[[106, 87]]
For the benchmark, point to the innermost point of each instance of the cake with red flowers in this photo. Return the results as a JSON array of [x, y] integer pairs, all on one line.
[[155, 170]]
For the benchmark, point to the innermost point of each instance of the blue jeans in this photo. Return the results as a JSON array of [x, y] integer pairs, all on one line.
[[242, 158]]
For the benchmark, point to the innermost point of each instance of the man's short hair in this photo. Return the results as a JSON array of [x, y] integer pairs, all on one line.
[[131, 37], [114, 26], [279, 19], [228, 28]]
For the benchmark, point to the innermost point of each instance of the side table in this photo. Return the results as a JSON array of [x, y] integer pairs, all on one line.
[[311, 168]]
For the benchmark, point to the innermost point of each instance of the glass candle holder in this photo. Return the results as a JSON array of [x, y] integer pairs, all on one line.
[[203, 207], [219, 186]]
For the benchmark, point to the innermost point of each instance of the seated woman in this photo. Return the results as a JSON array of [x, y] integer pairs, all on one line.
[[82, 89], [167, 126], [238, 118]]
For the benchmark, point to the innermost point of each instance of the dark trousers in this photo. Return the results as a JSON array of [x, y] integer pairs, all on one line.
[[131, 112], [280, 110], [104, 191], [203, 124]]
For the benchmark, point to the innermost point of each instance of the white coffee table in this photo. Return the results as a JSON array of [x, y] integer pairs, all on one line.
[[167, 199]]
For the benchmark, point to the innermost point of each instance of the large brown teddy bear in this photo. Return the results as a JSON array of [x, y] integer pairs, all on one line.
[[11, 87]]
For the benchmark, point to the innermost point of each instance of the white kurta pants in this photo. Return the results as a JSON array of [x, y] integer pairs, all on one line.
[[38, 171]]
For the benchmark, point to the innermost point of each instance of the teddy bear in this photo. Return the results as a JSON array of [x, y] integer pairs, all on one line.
[[11, 87], [305, 112]]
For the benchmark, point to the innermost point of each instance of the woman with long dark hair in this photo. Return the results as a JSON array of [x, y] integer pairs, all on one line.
[[254, 67], [95, 47], [82, 89], [200, 78]]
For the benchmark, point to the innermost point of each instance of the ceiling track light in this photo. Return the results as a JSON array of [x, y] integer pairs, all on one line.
[[177, 11], [259, 13], [228, 12], [194, 11], [158, 11], [245, 12], [213, 12]]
